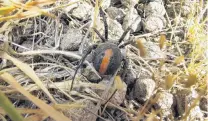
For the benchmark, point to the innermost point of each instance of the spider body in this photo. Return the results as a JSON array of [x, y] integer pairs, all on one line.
[[107, 58]]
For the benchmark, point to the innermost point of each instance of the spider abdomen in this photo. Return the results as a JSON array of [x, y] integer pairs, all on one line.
[[107, 58]]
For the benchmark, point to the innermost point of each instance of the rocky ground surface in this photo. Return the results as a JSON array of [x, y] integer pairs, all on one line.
[[153, 86]]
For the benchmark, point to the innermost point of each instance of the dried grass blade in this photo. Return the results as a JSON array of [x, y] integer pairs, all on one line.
[[29, 72], [162, 41], [141, 48], [6, 10], [41, 104], [9, 108]]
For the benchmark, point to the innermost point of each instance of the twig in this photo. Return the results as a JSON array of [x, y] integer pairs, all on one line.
[[16, 45]]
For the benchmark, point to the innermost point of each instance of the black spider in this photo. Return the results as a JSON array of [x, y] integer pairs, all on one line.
[[108, 57]]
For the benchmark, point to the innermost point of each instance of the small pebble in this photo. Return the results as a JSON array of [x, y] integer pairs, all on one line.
[[164, 102], [143, 89], [154, 23]]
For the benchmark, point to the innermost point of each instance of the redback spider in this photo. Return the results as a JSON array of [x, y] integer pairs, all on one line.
[[108, 57]]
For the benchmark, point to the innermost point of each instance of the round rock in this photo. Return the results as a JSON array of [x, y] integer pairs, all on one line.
[[154, 8], [72, 40], [204, 103], [132, 19], [154, 23], [186, 97], [153, 51], [143, 89], [82, 11], [115, 13], [114, 29], [105, 4], [164, 103]]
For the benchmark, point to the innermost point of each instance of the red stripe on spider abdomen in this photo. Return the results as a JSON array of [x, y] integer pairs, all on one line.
[[105, 61]]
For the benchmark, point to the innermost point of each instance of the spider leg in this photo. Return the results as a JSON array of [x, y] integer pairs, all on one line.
[[125, 66], [81, 63], [114, 92], [126, 62], [124, 34], [126, 31], [98, 33], [105, 23], [105, 27], [126, 43], [105, 92]]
